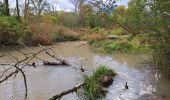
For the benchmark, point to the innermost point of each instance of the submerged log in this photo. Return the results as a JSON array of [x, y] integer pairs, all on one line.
[[55, 63]]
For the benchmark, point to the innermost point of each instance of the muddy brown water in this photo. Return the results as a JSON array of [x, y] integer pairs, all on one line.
[[46, 81]]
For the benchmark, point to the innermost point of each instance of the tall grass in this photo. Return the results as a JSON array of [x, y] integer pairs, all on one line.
[[93, 89], [46, 34], [117, 31], [43, 33]]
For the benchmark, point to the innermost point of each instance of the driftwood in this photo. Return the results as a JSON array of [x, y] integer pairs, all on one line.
[[58, 96]]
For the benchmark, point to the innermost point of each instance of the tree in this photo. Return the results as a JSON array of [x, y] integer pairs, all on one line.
[[153, 18], [53, 5], [104, 6], [2, 9], [7, 7], [27, 2], [86, 15], [18, 11], [120, 10], [40, 6], [136, 15], [161, 28], [77, 4]]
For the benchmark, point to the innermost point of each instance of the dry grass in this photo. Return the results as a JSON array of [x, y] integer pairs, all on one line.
[[46, 33], [93, 36], [43, 33]]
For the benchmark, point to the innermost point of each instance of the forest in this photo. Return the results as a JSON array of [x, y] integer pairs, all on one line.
[[141, 28]]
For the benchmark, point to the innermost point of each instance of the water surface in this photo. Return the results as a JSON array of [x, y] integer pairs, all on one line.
[[46, 81]]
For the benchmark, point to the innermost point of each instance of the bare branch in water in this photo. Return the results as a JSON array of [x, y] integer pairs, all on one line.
[[18, 65], [59, 96]]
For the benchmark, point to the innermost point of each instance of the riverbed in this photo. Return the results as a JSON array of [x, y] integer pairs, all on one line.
[[145, 83]]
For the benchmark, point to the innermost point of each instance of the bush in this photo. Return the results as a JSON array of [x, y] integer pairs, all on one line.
[[10, 31]]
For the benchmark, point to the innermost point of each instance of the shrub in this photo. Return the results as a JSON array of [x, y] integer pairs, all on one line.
[[10, 31]]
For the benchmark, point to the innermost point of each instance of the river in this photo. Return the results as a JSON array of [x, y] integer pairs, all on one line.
[[45, 81]]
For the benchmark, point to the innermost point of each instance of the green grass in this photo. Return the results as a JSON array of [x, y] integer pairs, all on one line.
[[101, 71], [117, 31], [93, 90], [106, 46]]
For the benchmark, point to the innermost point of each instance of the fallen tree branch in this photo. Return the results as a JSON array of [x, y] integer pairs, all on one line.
[[63, 62], [58, 96]]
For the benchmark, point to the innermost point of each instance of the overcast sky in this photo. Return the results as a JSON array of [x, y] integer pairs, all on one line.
[[67, 6]]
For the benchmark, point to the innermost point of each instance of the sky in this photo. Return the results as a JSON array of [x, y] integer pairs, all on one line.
[[66, 5]]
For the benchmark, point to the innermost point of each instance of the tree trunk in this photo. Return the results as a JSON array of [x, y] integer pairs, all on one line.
[[27, 2], [7, 7], [18, 12]]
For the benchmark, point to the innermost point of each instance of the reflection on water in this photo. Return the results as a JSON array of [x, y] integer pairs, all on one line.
[[46, 81]]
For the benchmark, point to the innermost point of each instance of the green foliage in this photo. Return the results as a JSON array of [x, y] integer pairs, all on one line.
[[153, 18], [106, 46], [10, 30], [49, 18], [2, 9], [92, 90], [117, 31], [120, 10], [68, 19], [102, 70], [86, 15]]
